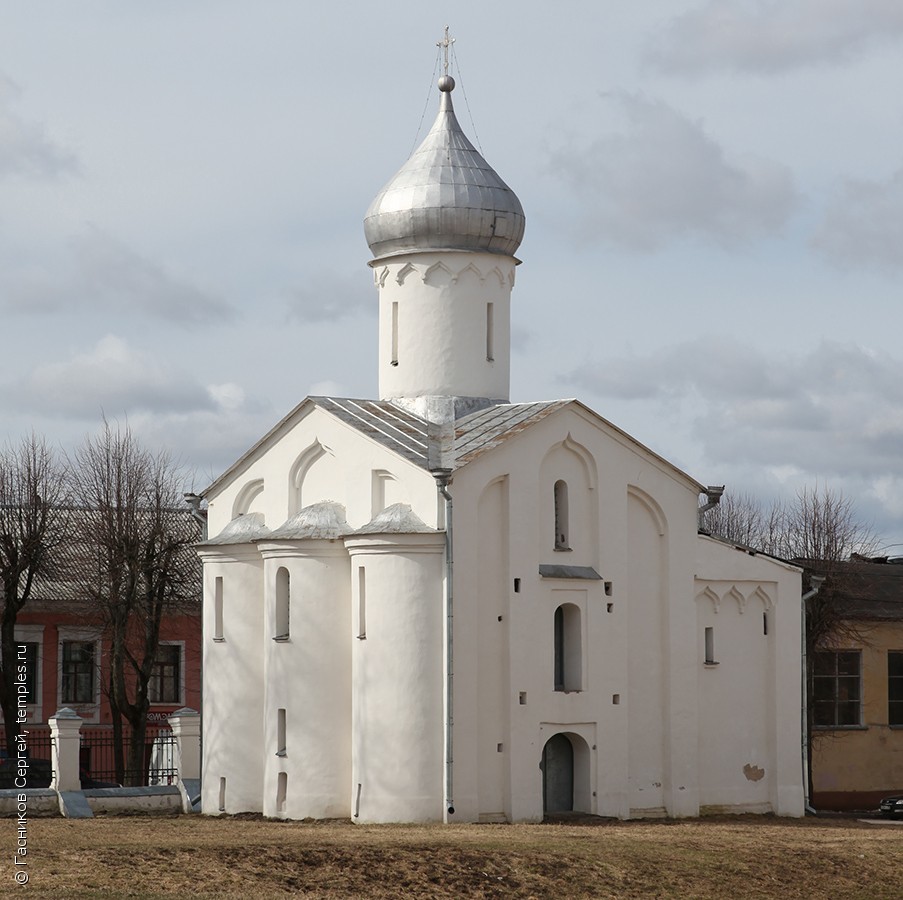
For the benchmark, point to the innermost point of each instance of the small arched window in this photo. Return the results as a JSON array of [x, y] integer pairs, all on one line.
[[568, 648], [283, 604], [561, 516]]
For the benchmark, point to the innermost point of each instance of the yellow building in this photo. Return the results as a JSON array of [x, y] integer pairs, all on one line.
[[857, 693]]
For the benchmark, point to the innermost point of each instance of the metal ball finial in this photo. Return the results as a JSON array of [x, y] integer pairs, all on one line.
[[446, 83]]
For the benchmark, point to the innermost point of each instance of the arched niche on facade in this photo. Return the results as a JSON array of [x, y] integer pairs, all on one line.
[[301, 490], [568, 503], [385, 490], [246, 497], [568, 648]]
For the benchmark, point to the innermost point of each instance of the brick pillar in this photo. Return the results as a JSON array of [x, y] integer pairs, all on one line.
[[186, 729], [65, 726]]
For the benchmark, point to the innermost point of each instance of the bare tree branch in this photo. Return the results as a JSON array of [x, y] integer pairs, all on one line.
[[138, 536], [33, 524]]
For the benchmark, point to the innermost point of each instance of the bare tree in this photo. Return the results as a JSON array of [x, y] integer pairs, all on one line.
[[739, 518], [33, 520], [137, 536]]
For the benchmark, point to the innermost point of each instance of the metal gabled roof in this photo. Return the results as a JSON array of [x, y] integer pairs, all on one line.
[[484, 430], [430, 446], [385, 422]]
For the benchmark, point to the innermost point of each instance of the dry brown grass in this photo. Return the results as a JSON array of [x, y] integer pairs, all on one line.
[[199, 857]]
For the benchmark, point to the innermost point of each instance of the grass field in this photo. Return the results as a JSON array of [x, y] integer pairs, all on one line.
[[195, 857]]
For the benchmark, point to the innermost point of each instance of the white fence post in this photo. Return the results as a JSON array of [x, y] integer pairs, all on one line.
[[65, 726], [186, 729]]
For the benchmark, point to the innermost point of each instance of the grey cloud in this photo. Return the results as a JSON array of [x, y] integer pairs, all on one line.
[[101, 273], [774, 35], [521, 338], [211, 438], [663, 179], [24, 148], [112, 378], [330, 297], [836, 410], [864, 224]]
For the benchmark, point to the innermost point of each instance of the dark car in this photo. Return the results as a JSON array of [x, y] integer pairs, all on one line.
[[89, 783], [891, 806], [38, 772]]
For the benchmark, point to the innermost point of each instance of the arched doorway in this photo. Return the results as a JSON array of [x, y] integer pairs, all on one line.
[[557, 775]]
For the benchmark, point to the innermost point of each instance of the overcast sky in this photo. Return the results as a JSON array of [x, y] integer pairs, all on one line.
[[713, 188]]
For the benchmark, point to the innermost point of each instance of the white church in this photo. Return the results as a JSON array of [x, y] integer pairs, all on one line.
[[444, 606]]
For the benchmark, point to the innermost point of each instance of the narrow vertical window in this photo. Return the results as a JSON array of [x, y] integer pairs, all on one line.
[[490, 332], [561, 516], [559, 649], [361, 604], [568, 648], [218, 609], [280, 732], [394, 360], [894, 687], [222, 795], [283, 604], [281, 791], [710, 646]]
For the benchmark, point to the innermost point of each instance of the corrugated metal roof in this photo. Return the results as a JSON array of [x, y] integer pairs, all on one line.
[[392, 426], [74, 568], [862, 588], [488, 428]]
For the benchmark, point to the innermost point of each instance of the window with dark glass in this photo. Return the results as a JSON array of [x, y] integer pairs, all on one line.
[[837, 688], [165, 681], [561, 516], [78, 672], [895, 687]]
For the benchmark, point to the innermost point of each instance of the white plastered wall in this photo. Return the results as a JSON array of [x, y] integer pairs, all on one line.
[[754, 763], [397, 678], [608, 469], [233, 681], [308, 674], [433, 324]]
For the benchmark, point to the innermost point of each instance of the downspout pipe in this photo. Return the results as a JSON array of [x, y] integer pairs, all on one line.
[[816, 581], [194, 510], [443, 476], [713, 495]]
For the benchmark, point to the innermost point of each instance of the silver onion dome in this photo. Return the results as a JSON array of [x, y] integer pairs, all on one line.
[[445, 197]]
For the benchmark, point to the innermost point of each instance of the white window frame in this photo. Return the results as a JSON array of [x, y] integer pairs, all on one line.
[[90, 712], [181, 698]]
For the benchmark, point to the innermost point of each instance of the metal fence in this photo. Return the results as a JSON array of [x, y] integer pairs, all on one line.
[[39, 768], [97, 758]]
